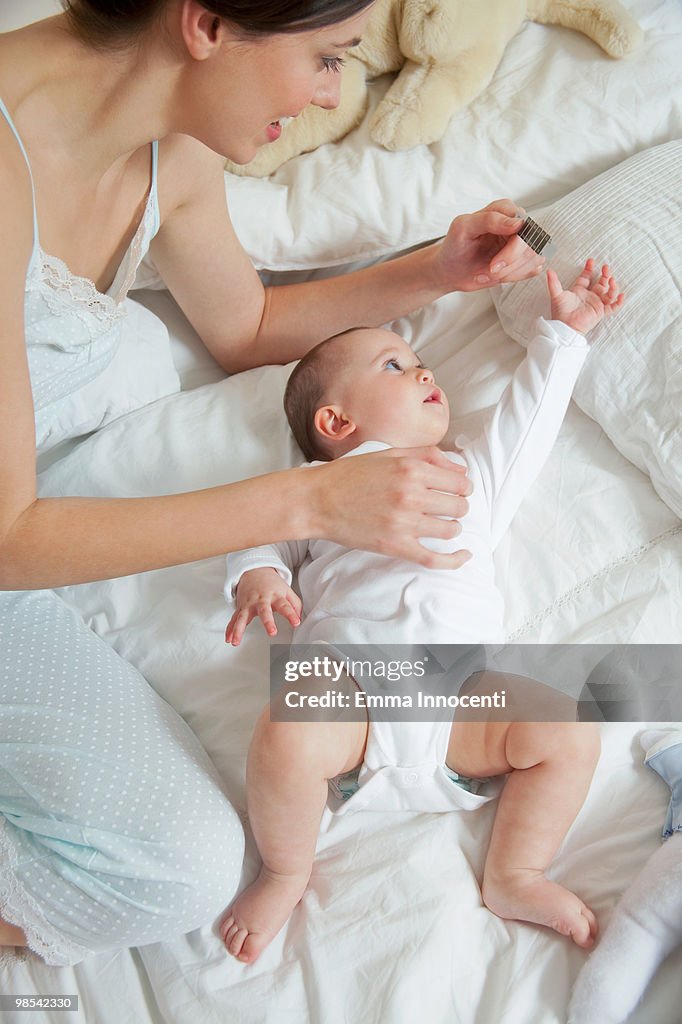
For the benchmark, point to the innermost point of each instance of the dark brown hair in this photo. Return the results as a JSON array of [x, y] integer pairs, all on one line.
[[306, 391], [111, 24]]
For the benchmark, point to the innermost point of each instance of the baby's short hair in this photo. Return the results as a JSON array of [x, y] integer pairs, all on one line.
[[305, 392]]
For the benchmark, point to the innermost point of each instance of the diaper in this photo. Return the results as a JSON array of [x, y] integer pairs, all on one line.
[[404, 770]]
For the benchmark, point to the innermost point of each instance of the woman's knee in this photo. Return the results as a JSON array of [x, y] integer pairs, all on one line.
[[209, 861]]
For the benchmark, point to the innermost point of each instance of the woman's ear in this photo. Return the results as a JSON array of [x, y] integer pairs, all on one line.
[[201, 30], [332, 423]]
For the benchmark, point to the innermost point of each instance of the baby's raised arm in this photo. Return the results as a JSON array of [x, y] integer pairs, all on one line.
[[518, 438]]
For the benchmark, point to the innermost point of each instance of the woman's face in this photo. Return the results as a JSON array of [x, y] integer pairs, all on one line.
[[250, 86]]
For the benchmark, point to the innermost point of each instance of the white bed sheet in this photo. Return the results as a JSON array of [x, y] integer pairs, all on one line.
[[594, 556], [381, 939]]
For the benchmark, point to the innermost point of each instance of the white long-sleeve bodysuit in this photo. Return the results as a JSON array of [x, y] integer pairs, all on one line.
[[357, 597]]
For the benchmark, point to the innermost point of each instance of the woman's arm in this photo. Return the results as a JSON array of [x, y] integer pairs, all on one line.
[[245, 325], [49, 542]]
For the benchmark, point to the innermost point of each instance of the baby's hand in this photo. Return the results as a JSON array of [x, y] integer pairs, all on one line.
[[261, 592], [586, 302]]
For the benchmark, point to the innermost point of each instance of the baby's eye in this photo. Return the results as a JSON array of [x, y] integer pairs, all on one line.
[[393, 364], [334, 64]]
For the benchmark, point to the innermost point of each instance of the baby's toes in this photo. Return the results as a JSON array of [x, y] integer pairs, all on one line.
[[235, 944], [584, 929], [232, 934], [225, 925], [252, 946]]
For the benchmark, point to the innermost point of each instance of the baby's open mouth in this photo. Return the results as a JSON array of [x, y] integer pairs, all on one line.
[[434, 396]]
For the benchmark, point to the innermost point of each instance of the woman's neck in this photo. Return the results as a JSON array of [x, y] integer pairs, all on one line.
[[73, 99]]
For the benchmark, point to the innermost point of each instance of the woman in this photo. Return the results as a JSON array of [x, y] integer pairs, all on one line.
[[110, 809]]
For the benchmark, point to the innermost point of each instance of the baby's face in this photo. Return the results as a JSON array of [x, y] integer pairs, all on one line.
[[388, 393]]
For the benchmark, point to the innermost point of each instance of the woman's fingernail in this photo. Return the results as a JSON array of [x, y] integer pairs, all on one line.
[[498, 266], [482, 279]]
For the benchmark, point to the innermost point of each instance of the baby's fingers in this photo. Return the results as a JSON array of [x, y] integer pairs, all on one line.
[[584, 278], [613, 306], [236, 626], [264, 610], [286, 609]]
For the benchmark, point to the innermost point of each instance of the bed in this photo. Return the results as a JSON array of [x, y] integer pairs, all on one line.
[[392, 928]]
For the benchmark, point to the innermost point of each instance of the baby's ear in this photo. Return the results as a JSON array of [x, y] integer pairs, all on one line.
[[333, 424]]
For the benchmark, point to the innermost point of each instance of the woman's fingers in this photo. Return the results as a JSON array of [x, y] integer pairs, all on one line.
[[393, 498], [441, 472], [442, 527], [514, 263], [507, 207], [413, 551]]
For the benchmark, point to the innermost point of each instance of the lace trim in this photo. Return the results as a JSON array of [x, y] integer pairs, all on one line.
[[19, 908], [80, 290], [579, 588]]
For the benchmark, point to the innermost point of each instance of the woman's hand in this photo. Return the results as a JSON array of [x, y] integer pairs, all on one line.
[[587, 301], [481, 250], [385, 501]]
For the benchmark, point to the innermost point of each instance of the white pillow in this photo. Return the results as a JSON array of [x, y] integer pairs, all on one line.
[[631, 218], [141, 371]]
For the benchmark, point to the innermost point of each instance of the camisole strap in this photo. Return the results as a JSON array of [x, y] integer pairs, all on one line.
[[154, 188], [10, 122]]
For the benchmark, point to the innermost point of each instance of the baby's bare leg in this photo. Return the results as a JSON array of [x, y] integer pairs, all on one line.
[[288, 766], [550, 765]]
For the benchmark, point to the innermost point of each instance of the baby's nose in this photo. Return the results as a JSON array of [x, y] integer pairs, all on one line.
[[425, 376]]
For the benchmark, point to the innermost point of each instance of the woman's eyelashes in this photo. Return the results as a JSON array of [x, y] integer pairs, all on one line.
[[334, 64]]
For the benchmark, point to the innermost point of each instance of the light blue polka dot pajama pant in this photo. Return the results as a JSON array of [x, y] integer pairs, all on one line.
[[114, 830]]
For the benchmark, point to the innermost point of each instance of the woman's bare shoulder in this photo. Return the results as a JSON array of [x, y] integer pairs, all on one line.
[[16, 212], [186, 166]]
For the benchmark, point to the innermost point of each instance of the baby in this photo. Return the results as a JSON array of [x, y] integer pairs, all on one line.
[[362, 391]]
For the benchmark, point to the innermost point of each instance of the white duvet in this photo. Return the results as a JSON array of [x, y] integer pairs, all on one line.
[[392, 928]]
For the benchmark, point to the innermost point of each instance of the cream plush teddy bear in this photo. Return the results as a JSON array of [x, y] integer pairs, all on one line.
[[646, 925], [446, 52]]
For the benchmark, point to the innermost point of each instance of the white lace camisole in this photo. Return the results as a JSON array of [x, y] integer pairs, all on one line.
[[72, 329]]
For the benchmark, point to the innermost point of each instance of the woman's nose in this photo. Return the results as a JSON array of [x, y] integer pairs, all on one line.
[[328, 93]]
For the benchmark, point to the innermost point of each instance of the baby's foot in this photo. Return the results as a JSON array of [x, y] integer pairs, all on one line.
[[529, 896], [257, 915]]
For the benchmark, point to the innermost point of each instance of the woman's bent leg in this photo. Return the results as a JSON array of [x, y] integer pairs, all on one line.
[[114, 830]]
